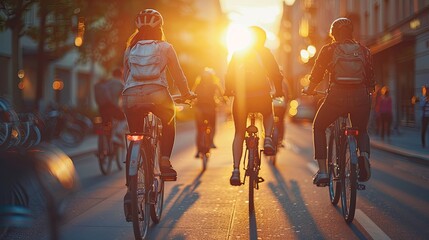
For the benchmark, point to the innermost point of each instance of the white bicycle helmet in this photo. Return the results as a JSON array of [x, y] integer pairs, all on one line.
[[149, 17]]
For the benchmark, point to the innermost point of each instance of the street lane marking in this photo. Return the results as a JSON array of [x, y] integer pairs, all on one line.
[[370, 227], [313, 166]]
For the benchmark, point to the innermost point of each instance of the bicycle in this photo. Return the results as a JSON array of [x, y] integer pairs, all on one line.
[[107, 151], [253, 156], [144, 180], [343, 169], [204, 142]]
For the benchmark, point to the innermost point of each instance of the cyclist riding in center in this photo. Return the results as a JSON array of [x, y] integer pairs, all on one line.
[[351, 83], [250, 75], [108, 92], [146, 59]]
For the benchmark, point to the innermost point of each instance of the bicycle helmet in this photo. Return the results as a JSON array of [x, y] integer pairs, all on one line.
[[341, 24], [149, 17]]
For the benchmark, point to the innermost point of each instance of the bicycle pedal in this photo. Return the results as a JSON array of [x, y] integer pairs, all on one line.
[[361, 186], [322, 184]]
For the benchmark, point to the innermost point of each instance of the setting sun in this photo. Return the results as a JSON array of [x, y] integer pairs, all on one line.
[[237, 37]]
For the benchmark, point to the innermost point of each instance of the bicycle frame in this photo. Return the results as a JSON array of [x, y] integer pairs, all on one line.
[[253, 155]]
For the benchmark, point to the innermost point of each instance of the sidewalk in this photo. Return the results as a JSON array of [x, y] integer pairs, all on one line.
[[405, 142]]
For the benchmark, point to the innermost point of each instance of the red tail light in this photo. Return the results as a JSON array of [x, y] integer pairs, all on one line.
[[135, 137], [353, 132]]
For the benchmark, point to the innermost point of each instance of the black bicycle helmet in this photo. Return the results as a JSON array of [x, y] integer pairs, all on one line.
[[341, 25], [149, 17]]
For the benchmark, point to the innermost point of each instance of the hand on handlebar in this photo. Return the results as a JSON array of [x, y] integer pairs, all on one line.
[[308, 91]]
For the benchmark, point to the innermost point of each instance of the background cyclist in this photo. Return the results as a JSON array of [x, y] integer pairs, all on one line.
[[108, 93], [248, 78], [210, 93], [341, 99]]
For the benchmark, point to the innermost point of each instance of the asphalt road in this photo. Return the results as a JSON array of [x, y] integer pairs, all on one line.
[[202, 205]]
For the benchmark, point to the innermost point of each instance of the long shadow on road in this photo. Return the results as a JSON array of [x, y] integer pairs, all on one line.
[[181, 201], [293, 205]]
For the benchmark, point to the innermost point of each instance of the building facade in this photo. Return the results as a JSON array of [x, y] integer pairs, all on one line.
[[396, 31]]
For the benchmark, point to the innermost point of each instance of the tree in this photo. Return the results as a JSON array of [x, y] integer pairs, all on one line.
[[12, 18]]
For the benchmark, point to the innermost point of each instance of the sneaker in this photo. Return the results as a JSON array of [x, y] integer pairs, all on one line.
[[364, 169], [127, 207], [235, 178], [167, 171], [269, 147], [321, 179]]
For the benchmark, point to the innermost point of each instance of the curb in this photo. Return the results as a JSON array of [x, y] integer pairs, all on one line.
[[412, 156]]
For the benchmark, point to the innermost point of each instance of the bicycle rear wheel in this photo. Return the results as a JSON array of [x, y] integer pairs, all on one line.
[[157, 188], [349, 180], [104, 155], [140, 208], [333, 170], [251, 172]]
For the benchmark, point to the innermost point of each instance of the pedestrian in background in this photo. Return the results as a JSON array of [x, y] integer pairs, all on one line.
[[424, 104], [385, 110]]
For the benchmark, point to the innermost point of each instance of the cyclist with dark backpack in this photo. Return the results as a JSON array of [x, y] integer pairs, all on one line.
[[351, 82]]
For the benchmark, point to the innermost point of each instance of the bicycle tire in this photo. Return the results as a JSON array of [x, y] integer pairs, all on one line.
[[275, 144], [252, 178], [349, 180], [104, 156], [140, 208], [333, 169], [157, 188]]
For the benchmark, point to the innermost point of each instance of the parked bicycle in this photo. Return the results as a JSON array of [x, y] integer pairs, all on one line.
[[108, 151], [67, 125], [253, 156], [145, 183]]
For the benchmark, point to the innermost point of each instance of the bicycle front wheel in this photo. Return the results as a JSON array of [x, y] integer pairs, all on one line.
[[104, 156], [333, 170], [140, 207], [349, 180]]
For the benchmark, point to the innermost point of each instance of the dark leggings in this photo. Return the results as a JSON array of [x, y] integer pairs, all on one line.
[[337, 103], [163, 108]]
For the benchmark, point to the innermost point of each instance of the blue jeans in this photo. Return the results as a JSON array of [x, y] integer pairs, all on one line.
[[163, 108]]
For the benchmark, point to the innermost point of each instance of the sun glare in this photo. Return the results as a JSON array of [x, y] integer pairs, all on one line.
[[237, 37]]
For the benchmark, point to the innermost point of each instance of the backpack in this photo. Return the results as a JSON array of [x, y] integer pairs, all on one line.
[[145, 61], [348, 64]]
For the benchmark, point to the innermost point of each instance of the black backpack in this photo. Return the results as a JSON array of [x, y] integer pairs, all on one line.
[[348, 64]]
